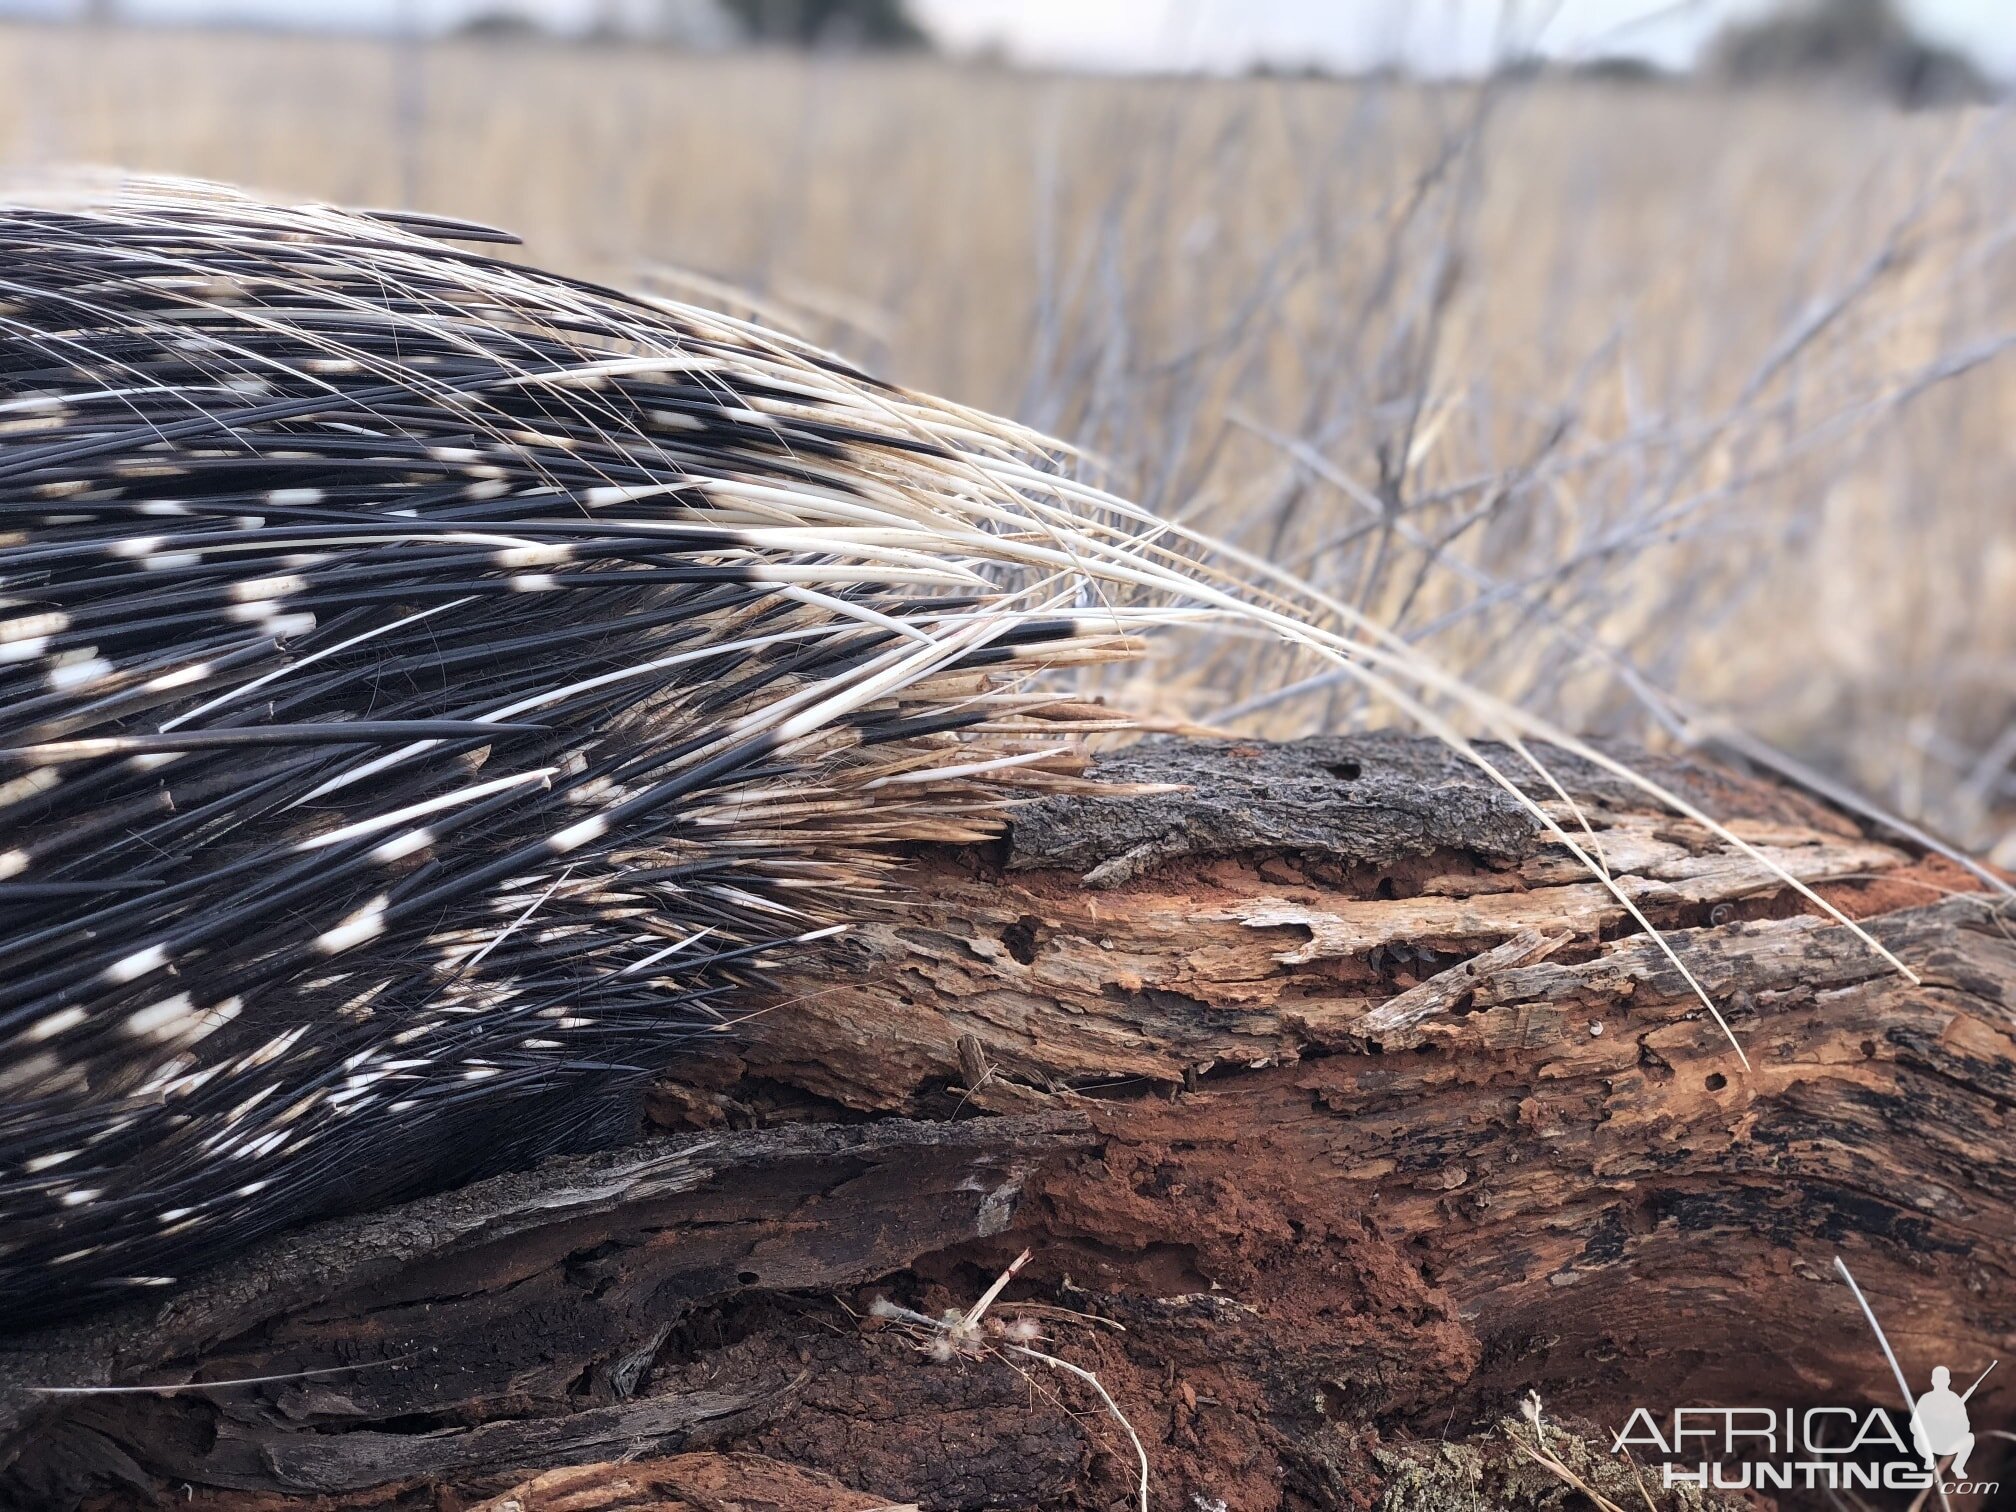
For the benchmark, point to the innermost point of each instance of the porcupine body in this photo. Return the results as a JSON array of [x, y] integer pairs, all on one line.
[[429, 690]]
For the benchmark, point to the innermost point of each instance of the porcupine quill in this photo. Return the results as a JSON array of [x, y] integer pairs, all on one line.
[[430, 688]]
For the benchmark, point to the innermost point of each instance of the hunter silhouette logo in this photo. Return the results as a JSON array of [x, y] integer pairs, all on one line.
[[1939, 1422]]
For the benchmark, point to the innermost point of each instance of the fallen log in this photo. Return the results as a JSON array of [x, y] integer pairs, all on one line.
[[1339, 1105]]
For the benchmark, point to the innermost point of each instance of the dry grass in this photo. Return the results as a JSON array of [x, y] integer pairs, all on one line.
[[1656, 411]]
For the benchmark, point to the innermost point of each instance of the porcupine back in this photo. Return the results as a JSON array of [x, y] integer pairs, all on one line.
[[430, 690]]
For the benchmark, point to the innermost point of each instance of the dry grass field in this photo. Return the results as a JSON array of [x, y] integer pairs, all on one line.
[[1661, 411]]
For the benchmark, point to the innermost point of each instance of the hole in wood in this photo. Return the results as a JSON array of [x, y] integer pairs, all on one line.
[[1344, 771], [1717, 1081], [1020, 938]]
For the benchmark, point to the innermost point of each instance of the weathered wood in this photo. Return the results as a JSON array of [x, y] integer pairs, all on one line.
[[1279, 931], [1333, 1082], [515, 1316], [686, 1483]]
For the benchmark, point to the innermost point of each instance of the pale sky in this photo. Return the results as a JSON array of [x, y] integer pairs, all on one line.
[[1436, 36]]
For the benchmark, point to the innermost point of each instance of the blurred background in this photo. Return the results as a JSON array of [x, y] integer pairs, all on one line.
[[1647, 364]]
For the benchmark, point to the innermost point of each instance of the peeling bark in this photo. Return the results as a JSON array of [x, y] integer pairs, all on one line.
[[1337, 1101]]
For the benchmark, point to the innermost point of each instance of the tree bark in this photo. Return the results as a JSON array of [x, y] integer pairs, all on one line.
[[1338, 1104]]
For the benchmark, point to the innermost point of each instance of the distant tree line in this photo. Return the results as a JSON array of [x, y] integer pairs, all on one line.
[[806, 23], [793, 23], [1866, 44]]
